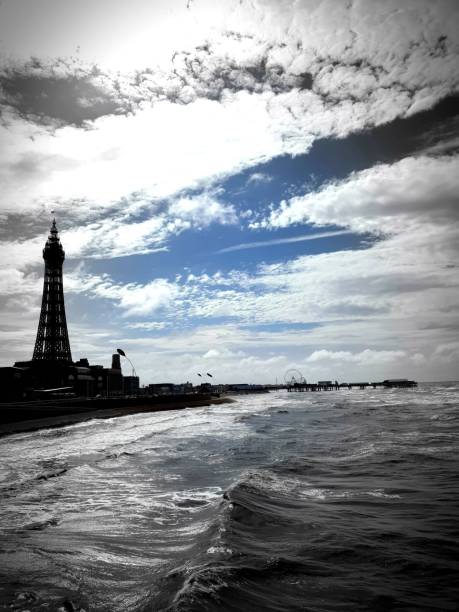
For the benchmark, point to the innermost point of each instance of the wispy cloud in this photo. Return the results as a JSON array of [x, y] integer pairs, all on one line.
[[262, 243], [259, 177]]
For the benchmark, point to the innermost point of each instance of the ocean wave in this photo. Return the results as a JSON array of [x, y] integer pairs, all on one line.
[[276, 503]]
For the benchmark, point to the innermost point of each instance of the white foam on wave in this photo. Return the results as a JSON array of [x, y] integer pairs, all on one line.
[[98, 555], [197, 527], [194, 500], [381, 493], [366, 450], [325, 494], [199, 494], [297, 488], [131, 432], [219, 550]]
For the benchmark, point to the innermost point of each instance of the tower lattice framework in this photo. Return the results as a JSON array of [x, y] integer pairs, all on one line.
[[52, 343]]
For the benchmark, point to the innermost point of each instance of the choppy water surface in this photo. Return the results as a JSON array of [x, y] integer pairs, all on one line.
[[345, 500]]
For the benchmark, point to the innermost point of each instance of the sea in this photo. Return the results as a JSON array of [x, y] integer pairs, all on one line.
[[330, 501]]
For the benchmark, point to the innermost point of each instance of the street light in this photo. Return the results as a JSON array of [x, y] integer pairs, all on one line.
[[123, 354]]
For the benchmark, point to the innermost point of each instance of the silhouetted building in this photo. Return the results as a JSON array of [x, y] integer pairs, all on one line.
[[51, 364], [99, 374], [14, 384], [130, 385], [114, 382], [51, 369], [116, 361], [182, 388], [52, 343], [161, 388], [92, 380], [83, 380]]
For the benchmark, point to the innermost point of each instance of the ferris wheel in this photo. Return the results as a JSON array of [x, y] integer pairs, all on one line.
[[294, 376]]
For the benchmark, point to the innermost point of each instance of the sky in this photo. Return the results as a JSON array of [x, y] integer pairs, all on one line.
[[241, 187]]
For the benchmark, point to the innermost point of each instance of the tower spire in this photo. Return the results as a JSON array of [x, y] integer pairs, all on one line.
[[52, 343]]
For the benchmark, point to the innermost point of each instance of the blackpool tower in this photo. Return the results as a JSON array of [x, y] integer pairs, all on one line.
[[52, 343]]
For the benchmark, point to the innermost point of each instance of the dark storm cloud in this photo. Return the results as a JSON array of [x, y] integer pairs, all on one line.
[[46, 97]]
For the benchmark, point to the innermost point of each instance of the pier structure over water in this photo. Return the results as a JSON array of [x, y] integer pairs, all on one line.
[[328, 385]]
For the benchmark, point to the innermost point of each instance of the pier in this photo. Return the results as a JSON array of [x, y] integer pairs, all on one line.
[[329, 385]]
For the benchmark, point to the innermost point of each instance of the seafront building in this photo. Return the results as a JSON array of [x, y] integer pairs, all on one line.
[[51, 369]]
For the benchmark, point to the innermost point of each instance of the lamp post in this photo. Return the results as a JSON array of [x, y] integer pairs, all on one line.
[[123, 354]]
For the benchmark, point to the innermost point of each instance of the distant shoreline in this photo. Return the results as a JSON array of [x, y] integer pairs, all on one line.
[[64, 416]]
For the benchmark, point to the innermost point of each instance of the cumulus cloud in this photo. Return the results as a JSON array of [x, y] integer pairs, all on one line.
[[387, 198], [147, 325], [259, 177], [203, 210], [134, 299]]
